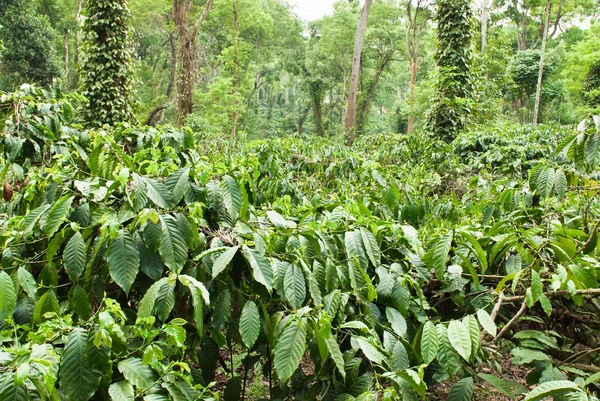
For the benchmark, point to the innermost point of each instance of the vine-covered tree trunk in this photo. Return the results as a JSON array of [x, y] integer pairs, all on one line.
[[354, 79], [107, 63], [538, 92], [454, 86]]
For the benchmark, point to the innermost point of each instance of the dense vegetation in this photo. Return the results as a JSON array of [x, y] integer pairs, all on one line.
[[238, 245]]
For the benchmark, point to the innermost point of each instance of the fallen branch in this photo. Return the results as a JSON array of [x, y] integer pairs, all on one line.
[[497, 307], [511, 322]]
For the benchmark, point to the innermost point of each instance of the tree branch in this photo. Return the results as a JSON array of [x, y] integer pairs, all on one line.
[[201, 19]]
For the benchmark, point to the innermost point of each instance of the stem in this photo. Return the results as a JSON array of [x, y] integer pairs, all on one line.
[[511, 322]]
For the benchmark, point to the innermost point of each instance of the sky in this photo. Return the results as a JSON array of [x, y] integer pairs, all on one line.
[[310, 10]]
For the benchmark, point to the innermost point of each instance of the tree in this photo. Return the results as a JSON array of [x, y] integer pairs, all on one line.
[[417, 18], [454, 85], [28, 54], [591, 86], [538, 92], [352, 94], [107, 63], [187, 46]]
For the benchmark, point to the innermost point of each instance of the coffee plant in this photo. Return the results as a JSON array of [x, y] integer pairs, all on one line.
[[143, 263]]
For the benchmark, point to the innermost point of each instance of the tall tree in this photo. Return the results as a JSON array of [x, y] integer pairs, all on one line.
[[415, 24], [28, 54], [107, 63], [187, 43], [352, 94], [538, 93], [454, 85]]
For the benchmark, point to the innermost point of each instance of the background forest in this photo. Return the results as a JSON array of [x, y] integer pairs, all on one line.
[[215, 200], [279, 74]]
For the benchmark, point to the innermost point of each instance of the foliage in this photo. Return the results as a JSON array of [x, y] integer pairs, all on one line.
[[591, 86], [454, 84], [27, 54], [107, 64], [144, 256]]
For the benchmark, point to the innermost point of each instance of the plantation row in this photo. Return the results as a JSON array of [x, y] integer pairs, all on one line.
[[159, 265]]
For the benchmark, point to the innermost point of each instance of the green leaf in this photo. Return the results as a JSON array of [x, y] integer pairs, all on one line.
[[460, 339], [223, 260], [506, 387], [430, 344], [123, 260], [135, 372], [74, 256], [33, 217], [146, 306], [80, 303], [173, 248], [371, 351], [249, 324], [8, 296], [277, 219], [440, 256], [289, 349], [152, 235], [57, 215], [294, 286], [261, 268], [177, 183], [232, 196], [486, 322], [462, 390], [27, 282], [199, 294], [165, 300], [397, 321], [77, 378], [545, 182], [355, 249], [48, 303], [158, 193], [336, 354], [371, 246], [553, 388], [121, 391]]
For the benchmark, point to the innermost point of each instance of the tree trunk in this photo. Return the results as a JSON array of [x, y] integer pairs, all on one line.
[[484, 25], [235, 69], [302, 118], [315, 97], [66, 53], [187, 41], [354, 79], [412, 41], [538, 93], [173, 71]]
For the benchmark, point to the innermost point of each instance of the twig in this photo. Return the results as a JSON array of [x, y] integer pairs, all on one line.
[[561, 293], [574, 358], [511, 322], [497, 307]]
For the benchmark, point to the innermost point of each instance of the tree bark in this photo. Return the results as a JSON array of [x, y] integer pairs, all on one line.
[[235, 69], [352, 94], [484, 25], [187, 42], [412, 41], [315, 97], [538, 93], [66, 53]]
